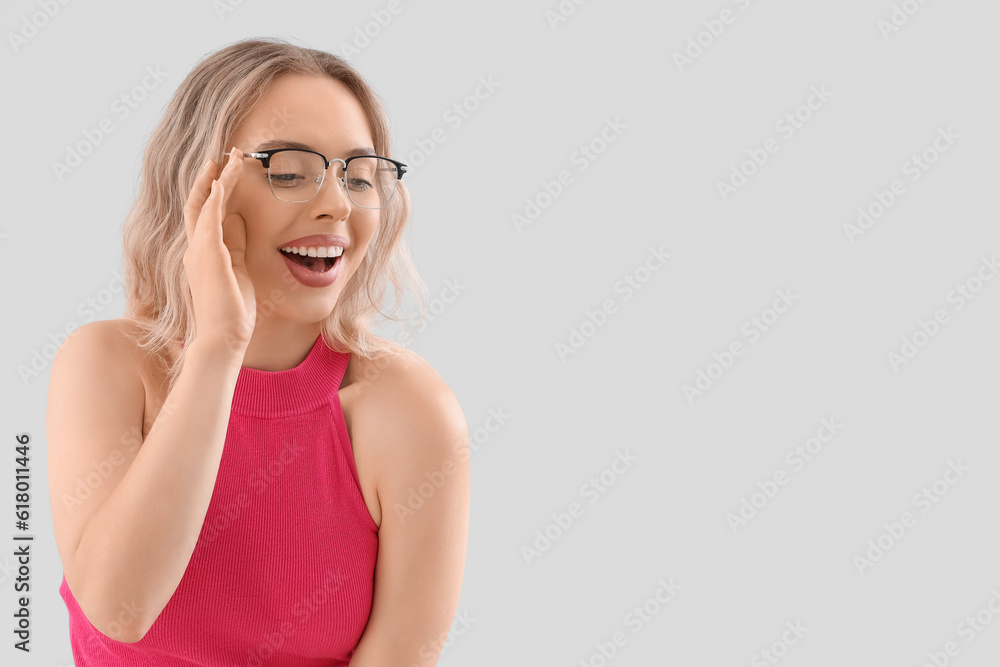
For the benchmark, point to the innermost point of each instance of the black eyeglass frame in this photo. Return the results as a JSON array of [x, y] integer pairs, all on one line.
[[265, 159]]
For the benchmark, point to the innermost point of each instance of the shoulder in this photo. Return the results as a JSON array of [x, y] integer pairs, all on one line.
[[104, 353], [403, 401], [95, 384], [97, 343]]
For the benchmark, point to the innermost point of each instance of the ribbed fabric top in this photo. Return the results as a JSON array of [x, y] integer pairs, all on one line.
[[283, 569]]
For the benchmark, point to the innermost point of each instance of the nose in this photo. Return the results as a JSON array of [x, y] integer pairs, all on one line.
[[332, 198]]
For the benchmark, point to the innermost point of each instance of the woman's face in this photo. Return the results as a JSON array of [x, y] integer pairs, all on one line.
[[320, 113]]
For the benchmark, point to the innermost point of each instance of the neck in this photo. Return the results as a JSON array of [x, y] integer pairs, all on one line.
[[280, 345]]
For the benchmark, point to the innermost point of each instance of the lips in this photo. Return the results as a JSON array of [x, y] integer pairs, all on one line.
[[318, 240]]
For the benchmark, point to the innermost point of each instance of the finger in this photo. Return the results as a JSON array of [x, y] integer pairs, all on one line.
[[231, 173], [234, 235], [209, 226], [196, 198]]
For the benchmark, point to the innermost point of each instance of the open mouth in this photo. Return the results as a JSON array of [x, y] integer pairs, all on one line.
[[316, 264]]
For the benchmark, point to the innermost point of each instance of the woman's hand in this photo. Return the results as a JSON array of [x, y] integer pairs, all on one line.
[[225, 306]]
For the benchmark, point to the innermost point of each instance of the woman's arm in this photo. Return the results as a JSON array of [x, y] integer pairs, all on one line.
[[421, 553], [126, 541]]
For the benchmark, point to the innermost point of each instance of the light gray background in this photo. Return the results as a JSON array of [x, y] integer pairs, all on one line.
[[655, 185]]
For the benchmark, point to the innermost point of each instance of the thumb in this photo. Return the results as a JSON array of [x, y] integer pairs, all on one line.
[[234, 235]]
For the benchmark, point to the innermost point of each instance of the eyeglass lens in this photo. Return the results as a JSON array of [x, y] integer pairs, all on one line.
[[296, 176]]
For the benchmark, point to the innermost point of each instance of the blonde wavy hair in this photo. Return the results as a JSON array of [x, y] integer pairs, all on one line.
[[198, 123]]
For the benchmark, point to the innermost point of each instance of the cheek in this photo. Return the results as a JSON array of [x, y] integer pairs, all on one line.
[[362, 234], [249, 193], [365, 227], [258, 210]]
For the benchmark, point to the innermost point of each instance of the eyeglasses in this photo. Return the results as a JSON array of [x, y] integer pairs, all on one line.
[[296, 175]]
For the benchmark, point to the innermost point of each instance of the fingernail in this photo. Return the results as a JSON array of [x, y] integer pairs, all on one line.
[[213, 186], [206, 165]]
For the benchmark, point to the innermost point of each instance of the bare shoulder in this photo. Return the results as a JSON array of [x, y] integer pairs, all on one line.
[[99, 369], [400, 395], [101, 375], [102, 342], [111, 345]]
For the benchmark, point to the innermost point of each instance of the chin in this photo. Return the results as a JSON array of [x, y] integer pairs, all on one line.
[[306, 310], [288, 299]]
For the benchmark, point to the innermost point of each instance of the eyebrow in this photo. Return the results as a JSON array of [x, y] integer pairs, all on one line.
[[287, 143]]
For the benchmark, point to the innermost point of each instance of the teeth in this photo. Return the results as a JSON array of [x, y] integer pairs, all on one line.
[[314, 251]]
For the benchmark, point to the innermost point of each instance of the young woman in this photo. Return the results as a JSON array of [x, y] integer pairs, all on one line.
[[241, 473]]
